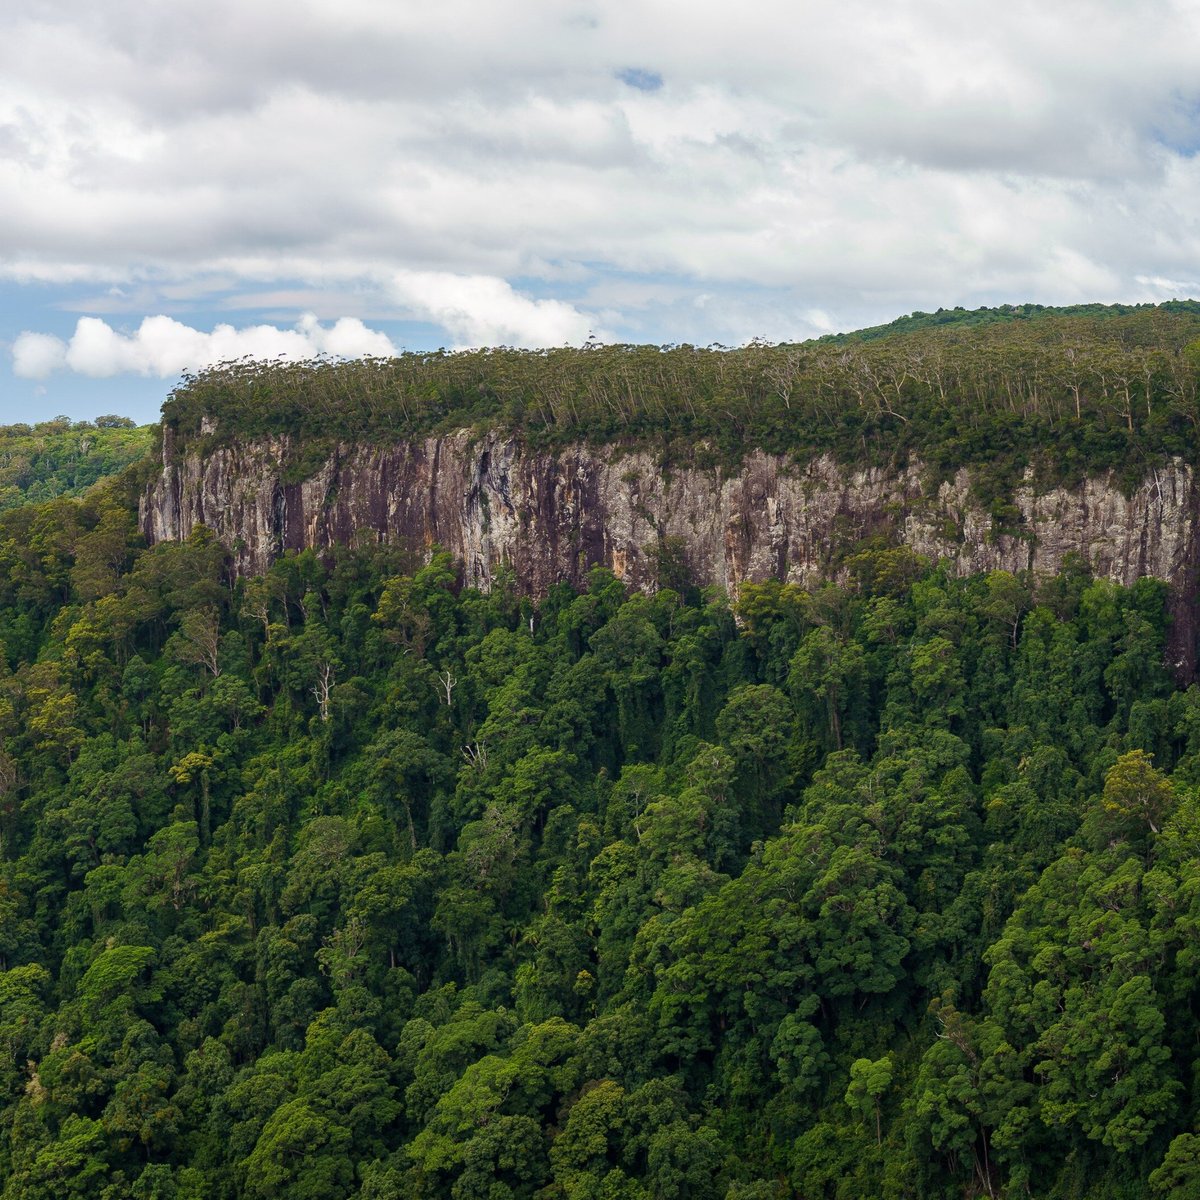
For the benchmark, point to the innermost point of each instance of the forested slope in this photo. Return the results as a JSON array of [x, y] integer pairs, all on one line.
[[65, 458], [345, 882]]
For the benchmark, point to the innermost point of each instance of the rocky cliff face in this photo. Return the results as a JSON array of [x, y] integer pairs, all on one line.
[[552, 516]]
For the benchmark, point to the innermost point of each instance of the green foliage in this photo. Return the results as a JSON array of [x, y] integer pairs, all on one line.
[[1064, 391], [64, 458], [346, 882]]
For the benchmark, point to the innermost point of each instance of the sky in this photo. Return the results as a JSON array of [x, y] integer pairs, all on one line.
[[185, 182]]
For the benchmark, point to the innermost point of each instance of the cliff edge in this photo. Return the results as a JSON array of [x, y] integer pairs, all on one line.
[[551, 516]]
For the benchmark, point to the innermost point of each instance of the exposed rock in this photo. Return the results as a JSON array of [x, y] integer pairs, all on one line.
[[552, 516]]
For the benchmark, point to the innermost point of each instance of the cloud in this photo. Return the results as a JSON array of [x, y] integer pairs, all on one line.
[[487, 168], [481, 310], [164, 347], [37, 355]]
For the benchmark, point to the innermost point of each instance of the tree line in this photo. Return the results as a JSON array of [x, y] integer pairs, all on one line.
[[1063, 391]]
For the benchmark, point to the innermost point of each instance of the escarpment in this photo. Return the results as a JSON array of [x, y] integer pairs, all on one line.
[[551, 516]]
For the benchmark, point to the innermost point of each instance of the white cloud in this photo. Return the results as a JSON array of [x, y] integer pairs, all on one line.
[[481, 310], [855, 160], [36, 355], [164, 347]]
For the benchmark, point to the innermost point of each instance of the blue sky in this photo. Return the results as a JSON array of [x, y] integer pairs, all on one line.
[[188, 182]]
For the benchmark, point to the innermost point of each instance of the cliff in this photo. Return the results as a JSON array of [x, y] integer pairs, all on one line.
[[551, 516]]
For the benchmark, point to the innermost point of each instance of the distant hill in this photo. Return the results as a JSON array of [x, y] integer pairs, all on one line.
[[916, 322], [64, 458]]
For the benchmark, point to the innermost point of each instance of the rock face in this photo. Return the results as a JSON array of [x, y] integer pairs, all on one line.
[[552, 516]]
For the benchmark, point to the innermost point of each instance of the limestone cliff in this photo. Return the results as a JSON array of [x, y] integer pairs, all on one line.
[[552, 516]]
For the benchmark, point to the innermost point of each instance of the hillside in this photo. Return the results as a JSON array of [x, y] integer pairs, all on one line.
[[344, 882], [965, 318], [1009, 439], [64, 458], [409, 791]]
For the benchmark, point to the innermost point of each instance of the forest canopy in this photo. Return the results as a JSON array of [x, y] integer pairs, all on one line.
[[64, 458], [345, 881]]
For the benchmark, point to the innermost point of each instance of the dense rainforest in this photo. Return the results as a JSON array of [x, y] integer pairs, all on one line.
[[346, 881], [61, 457]]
